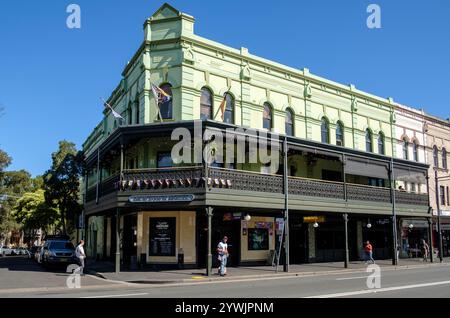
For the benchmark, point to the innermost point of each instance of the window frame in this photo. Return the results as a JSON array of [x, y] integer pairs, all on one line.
[[381, 140], [203, 106], [268, 106], [369, 140], [340, 127], [325, 130], [289, 114], [168, 103]]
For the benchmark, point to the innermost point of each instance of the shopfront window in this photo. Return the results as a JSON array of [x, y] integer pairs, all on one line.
[[258, 239]]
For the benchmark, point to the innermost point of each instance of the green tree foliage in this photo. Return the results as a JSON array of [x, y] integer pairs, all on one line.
[[61, 183], [33, 213]]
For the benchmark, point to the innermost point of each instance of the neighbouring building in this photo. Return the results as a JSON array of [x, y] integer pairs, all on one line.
[[438, 142], [340, 163]]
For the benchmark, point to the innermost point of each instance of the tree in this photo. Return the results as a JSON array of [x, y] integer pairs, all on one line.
[[61, 182], [33, 213]]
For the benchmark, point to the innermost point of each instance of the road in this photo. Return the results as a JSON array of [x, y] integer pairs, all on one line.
[[33, 281]]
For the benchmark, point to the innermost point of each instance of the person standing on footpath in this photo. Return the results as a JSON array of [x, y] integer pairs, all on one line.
[[222, 251], [369, 252], [80, 255]]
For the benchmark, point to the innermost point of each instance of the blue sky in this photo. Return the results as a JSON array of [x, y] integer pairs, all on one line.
[[51, 77]]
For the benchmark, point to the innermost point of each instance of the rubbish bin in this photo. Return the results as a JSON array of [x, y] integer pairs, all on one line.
[[133, 262], [143, 260], [180, 258]]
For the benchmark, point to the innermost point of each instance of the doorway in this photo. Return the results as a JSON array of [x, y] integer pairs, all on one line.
[[129, 238]]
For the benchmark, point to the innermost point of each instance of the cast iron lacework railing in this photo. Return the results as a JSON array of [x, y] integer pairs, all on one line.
[[368, 193], [411, 198], [316, 188], [109, 185], [247, 180], [195, 177], [163, 178]]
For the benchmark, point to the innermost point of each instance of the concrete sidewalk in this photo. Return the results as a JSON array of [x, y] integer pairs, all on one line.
[[106, 270]]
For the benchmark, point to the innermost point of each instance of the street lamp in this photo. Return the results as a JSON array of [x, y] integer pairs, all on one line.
[[247, 217], [316, 225]]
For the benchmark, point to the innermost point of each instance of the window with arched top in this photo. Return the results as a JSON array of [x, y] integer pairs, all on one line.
[[228, 116], [206, 102], [381, 150], [136, 111], [369, 146], [166, 108], [339, 134], [267, 116], [325, 131], [289, 122], [435, 157], [444, 158], [405, 147], [129, 115], [416, 151]]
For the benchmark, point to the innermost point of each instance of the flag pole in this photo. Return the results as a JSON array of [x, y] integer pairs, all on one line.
[[224, 96]]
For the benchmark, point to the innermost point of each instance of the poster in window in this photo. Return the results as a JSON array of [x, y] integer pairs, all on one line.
[[162, 236], [258, 239]]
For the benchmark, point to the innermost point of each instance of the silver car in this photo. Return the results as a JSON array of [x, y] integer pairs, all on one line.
[[5, 250]]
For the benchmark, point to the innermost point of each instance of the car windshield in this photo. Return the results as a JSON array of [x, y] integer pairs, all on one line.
[[62, 246]]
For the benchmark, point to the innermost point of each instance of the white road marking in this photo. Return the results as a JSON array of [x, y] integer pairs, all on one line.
[[348, 278], [111, 296], [380, 290]]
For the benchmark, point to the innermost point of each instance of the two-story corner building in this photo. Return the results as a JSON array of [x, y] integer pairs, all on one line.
[[438, 142], [336, 159]]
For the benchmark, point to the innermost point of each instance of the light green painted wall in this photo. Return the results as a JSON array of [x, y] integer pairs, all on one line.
[[172, 53]]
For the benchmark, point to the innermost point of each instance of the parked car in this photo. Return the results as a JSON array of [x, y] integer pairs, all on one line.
[[5, 250], [32, 251], [37, 254], [57, 252], [23, 251], [15, 251]]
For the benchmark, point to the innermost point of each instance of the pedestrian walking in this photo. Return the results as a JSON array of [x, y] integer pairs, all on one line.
[[425, 249], [369, 252], [80, 255], [222, 252]]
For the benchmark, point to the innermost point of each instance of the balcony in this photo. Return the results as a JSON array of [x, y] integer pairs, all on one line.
[[261, 187]]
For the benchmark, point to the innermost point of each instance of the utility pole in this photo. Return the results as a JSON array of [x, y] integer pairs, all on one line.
[[438, 206]]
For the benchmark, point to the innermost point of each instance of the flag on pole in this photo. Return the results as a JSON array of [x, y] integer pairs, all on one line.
[[223, 104], [115, 114], [160, 95]]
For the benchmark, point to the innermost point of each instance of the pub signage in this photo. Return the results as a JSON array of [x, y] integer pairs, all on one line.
[[161, 198]]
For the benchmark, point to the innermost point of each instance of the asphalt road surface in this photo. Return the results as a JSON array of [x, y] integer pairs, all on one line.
[[20, 277]]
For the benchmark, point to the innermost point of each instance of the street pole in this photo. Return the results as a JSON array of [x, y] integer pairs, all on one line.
[[117, 265], [430, 235], [286, 206], [438, 206], [394, 214], [346, 261], [209, 213]]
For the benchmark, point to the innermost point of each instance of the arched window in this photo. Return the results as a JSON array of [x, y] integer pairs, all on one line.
[[267, 116], [381, 143], [289, 122], [325, 131], [130, 114], [228, 116], [206, 104], [435, 157], [369, 147], [444, 158], [137, 113], [166, 107], [340, 134], [416, 150], [405, 150]]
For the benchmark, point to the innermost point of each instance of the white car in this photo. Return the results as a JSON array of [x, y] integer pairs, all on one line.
[[5, 250]]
